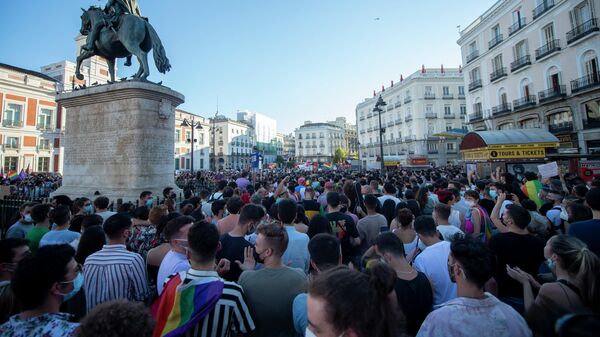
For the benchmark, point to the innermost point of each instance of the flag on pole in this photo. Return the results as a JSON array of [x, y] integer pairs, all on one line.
[[392, 83], [28, 170], [401, 78], [22, 174], [442, 68], [12, 176], [423, 69]]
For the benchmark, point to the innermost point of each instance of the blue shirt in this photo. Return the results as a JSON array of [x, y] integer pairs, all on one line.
[[300, 313], [589, 232], [57, 237], [296, 255]]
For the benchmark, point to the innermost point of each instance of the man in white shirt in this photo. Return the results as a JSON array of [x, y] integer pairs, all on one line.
[[389, 192], [176, 232], [441, 214], [296, 254], [101, 206], [433, 260]]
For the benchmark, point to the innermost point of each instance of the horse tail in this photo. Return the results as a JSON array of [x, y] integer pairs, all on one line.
[[160, 56]]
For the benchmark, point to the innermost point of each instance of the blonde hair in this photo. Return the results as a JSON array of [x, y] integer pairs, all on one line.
[[156, 213]]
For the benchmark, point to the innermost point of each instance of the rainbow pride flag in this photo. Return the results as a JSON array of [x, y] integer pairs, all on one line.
[[326, 166], [182, 305], [532, 190], [12, 176]]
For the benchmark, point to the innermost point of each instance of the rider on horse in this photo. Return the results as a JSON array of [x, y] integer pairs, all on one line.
[[113, 9]]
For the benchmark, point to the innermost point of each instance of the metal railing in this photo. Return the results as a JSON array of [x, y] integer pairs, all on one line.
[[397, 105], [448, 96], [474, 54], [449, 115], [429, 95], [585, 82], [45, 147], [496, 40], [547, 49], [44, 127], [9, 123], [431, 115], [408, 118], [476, 116], [461, 96], [552, 93], [524, 102], [498, 73], [560, 127], [582, 30], [407, 100], [13, 146], [515, 27], [501, 109], [519, 63], [474, 85], [542, 8]]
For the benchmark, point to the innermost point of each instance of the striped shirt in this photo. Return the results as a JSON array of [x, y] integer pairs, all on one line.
[[114, 273], [230, 314]]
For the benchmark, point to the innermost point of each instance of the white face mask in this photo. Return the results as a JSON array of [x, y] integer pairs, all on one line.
[[470, 203], [309, 333]]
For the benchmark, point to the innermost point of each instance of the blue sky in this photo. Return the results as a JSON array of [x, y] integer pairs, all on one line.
[[291, 60]]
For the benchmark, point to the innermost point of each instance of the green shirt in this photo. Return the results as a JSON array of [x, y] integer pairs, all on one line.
[[34, 236]]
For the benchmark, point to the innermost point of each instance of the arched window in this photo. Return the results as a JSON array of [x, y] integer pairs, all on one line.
[[553, 80], [502, 97], [526, 88], [589, 64]]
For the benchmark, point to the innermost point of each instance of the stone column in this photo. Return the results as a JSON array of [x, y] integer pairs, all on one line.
[[119, 140]]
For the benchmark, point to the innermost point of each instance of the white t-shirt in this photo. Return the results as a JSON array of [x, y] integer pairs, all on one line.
[[383, 198], [106, 214], [173, 262], [433, 262], [448, 231], [454, 218]]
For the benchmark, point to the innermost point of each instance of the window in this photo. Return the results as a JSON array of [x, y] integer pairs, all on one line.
[[461, 90], [44, 119], [10, 164], [44, 144], [13, 115], [428, 89], [496, 32], [473, 47], [497, 62], [474, 75], [530, 124], [592, 110], [43, 164], [177, 163], [445, 91], [448, 127], [521, 49], [12, 142], [450, 146], [177, 135], [447, 110], [432, 146], [463, 110], [591, 68], [548, 33], [581, 14], [201, 139], [188, 136], [429, 108]]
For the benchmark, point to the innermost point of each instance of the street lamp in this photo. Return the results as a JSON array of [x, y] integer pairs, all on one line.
[[378, 109], [195, 125], [214, 130]]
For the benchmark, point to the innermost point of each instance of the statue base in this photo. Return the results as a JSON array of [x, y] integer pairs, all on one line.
[[119, 140]]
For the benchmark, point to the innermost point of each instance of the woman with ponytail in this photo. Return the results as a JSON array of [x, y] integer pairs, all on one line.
[[345, 302], [577, 286]]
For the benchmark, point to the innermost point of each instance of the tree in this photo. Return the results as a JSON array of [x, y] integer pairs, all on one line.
[[279, 160], [340, 155]]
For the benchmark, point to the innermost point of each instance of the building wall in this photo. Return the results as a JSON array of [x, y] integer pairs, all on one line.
[[27, 139], [542, 80], [317, 142], [232, 142], [265, 129], [183, 147], [427, 102]]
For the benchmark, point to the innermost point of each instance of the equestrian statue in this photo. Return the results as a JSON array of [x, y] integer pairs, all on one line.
[[119, 31]]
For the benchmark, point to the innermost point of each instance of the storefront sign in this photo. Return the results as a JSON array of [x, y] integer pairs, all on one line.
[[417, 161], [589, 169], [506, 153]]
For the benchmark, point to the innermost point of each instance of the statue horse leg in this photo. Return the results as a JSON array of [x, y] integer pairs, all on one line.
[[85, 54], [131, 34], [111, 68]]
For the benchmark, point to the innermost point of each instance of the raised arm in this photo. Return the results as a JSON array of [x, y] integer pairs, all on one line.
[[496, 213]]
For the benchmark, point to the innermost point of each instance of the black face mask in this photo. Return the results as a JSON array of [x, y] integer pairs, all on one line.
[[257, 257], [344, 209]]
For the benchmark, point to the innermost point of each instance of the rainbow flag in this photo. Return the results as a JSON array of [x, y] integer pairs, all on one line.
[[326, 166], [531, 190], [182, 305], [12, 176]]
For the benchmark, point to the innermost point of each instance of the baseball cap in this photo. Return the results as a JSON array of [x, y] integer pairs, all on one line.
[[329, 184]]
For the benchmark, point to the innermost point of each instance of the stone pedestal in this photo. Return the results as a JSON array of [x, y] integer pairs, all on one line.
[[119, 140]]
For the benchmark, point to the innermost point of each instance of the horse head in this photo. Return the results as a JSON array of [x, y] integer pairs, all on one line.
[[86, 19]]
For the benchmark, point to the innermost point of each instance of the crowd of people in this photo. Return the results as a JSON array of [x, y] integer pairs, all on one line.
[[435, 252]]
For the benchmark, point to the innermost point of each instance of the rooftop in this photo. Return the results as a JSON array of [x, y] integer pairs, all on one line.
[[28, 72]]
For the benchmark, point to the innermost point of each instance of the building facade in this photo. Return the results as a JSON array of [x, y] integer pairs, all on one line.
[[428, 102], [534, 64], [183, 141], [265, 129], [231, 142], [31, 121], [317, 142], [350, 135], [289, 146]]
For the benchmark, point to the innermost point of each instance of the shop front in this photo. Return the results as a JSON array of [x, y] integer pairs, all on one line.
[[514, 151]]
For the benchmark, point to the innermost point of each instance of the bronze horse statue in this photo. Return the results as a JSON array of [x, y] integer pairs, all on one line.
[[134, 36]]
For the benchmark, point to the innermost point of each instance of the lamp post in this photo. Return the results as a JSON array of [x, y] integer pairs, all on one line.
[[195, 125], [378, 109], [214, 130]]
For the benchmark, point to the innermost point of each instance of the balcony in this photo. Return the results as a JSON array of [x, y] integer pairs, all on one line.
[[498, 74], [542, 8], [474, 54], [390, 123], [517, 26], [476, 116], [582, 30], [362, 118], [362, 131], [591, 123], [397, 105], [474, 85], [547, 49], [502, 109], [520, 63], [407, 100], [409, 138], [496, 40], [389, 108], [586, 82], [369, 129], [369, 115], [461, 95], [43, 147], [44, 127], [9, 123], [559, 91], [398, 122], [432, 151], [12, 146], [449, 115], [408, 118], [524, 102], [561, 127], [447, 96], [431, 115], [429, 95]]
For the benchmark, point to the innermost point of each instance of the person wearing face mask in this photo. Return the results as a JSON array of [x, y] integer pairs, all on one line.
[[25, 223], [270, 291], [234, 244], [577, 286], [477, 220], [176, 260], [81, 207], [515, 248], [113, 272], [60, 233], [146, 199], [474, 312], [41, 282], [11, 252]]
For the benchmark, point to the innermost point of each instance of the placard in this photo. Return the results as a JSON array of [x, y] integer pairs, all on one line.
[[548, 170]]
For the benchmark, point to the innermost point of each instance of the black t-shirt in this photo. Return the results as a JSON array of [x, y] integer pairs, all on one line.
[[488, 205], [76, 222], [197, 214], [521, 250], [268, 202], [415, 298], [344, 228], [232, 249]]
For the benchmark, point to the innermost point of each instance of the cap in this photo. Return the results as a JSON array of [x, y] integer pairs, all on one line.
[[301, 181], [329, 184]]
